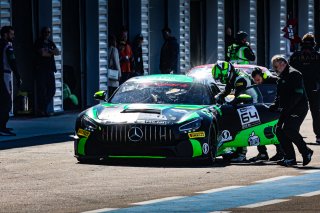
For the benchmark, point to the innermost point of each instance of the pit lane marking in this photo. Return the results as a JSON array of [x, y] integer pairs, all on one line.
[[158, 200], [265, 203], [310, 194], [272, 179], [101, 210], [311, 171], [219, 189], [235, 198]]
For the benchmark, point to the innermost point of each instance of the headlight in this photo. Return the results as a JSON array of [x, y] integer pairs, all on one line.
[[191, 126], [87, 123]]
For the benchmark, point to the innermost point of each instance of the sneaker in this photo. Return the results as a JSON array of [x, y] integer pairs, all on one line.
[[276, 157], [307, 158], [318, 140], [260, 156], [6, 132], [287, 162], [239, 158]]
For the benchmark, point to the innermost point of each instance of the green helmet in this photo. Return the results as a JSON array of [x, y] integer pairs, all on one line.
[[221, 71]]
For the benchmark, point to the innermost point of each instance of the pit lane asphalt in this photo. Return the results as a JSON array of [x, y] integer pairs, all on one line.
[[45, 177]]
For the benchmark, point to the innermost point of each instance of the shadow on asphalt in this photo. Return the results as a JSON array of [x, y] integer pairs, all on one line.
[[35, 141], [156, 163], [168, 163]]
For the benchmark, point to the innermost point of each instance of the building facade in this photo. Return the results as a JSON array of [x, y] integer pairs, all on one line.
[[81, 28]]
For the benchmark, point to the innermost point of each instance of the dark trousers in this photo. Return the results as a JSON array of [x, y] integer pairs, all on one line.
[[263, 149], [46, 88], [5, 105], [314, 104], [289, 134]]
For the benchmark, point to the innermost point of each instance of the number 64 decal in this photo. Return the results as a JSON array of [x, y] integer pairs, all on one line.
[[249, 116]]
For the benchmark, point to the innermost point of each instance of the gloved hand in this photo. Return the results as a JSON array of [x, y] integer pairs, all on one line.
[[219, 99], [273, 108]]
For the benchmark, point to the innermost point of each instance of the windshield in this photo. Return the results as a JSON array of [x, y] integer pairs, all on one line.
[[162, 92]]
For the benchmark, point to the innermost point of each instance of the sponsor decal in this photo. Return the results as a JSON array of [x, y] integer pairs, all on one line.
[[83, 133], [225, 136], [201, 134], [248, 116], [205, 148], [135, 134], [268, 132], [254, 140]]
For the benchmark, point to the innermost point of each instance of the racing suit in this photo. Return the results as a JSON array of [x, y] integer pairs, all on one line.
[[291, 100], [238, 82], [307, 61]]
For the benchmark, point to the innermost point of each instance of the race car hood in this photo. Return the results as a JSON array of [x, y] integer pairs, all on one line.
[[143, 113]]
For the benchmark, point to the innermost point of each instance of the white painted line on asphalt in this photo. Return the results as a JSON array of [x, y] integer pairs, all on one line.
[[219, 189], [311, 171], [309, 194], [220, 212], [273, 179], [158, 200], [101, 210], [269, 202]]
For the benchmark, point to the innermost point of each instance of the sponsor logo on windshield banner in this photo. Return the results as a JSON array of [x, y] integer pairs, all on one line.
[[197, 134], [248, 116]]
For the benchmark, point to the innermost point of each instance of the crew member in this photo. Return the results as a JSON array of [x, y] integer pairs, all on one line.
[[240, 52], [307, 61], [292, 102], [260, 77], [235, 80]]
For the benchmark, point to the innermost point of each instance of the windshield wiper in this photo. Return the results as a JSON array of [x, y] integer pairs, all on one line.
[[154, 111]]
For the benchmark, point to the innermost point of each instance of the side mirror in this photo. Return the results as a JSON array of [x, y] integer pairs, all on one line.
[[100, 95], [244, 99]]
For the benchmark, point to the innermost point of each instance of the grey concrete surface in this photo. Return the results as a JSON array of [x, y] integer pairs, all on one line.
[[31, 127]]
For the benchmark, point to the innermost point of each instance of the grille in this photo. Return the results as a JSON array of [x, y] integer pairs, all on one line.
[[151, 134]]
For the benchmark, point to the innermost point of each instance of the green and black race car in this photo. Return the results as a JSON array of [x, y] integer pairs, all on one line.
[[173, 116]]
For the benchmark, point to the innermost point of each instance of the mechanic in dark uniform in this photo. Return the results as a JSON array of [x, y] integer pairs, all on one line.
[[260, 77], [235, 80], [307, 61], [292, 102], [7, 66]]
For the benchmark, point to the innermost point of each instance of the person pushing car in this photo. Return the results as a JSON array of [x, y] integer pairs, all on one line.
[[236, 80], [260, 77]]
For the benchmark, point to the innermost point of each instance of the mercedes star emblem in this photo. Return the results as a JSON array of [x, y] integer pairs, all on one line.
[[135, 134]]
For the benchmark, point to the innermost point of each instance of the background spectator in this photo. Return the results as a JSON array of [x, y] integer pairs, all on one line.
[[114, 64], [137, 55], [7, 66], [45, 68], [126, 56], [169, 53]]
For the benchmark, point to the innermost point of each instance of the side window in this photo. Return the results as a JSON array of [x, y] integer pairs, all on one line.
[[263, 93], [254, 93]]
